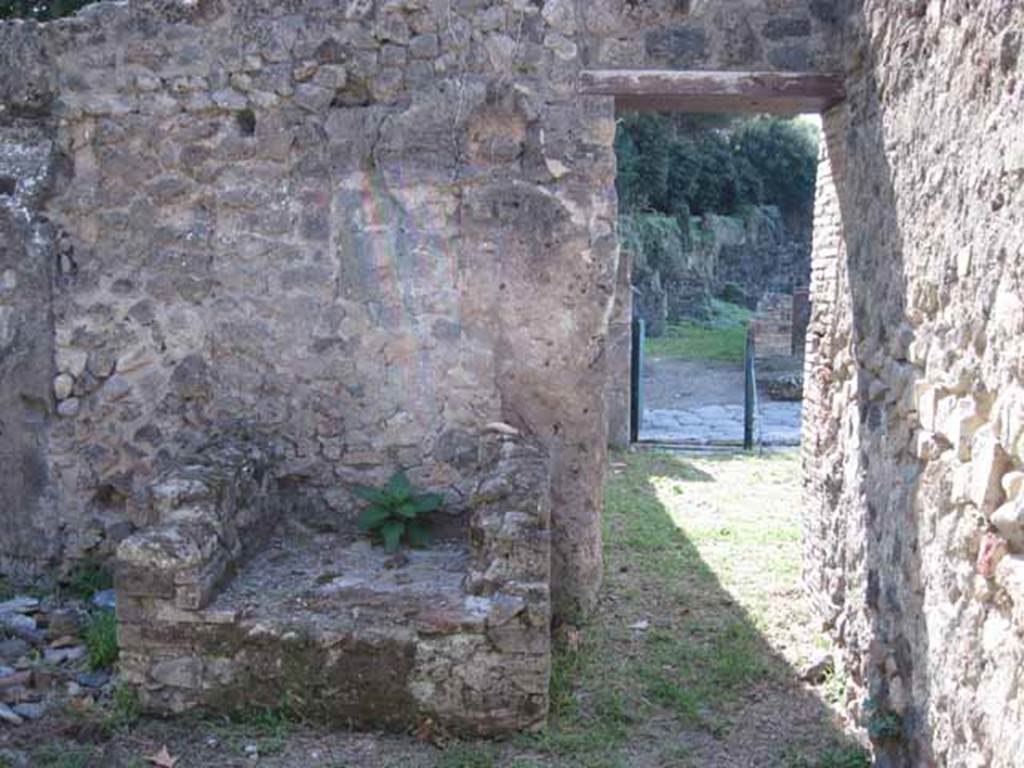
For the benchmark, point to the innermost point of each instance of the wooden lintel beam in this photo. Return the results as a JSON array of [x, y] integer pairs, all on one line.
[[707, 91]]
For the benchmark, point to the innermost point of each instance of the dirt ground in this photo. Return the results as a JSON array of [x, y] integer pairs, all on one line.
[[693, 657]]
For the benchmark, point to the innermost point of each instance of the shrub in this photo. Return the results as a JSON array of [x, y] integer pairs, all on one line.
[[657, 242], [396, 512], [101, 639], [733, 293]]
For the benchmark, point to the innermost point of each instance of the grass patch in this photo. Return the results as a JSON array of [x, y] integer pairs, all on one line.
[[60, 755], [267, 728], [839, 756], [694, 666], [723, 338], [468, 756], [86, 579], [700, 680], [101, 639], [124, 709]]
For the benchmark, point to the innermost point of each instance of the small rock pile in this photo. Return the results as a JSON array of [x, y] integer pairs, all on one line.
[[43, 657], [785, 386]]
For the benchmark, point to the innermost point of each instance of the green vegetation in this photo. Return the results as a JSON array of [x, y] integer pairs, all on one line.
[[396, 512], [697, 553], [124, 708], [705, 674], [681, 165], [883, 724], [101, 639], [723, 338], [266, 727], [839, 756], [658, 241], [675, 171], [41, 10], [88, 578], [468, 756], [62, 755]]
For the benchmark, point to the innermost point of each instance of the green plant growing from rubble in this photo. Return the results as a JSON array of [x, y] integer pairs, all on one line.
[[101, 639], [397, 511]]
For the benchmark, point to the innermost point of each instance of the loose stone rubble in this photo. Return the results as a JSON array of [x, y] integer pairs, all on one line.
[[44, 662]]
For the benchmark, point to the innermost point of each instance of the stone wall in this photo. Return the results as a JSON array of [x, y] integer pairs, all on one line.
[[791, 35], [681, 263], [772, 326], [768, 256], [228, 603], [27, 272], [368, 227], [915, 409]]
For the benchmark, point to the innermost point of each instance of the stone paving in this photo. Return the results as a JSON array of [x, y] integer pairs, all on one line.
[[777, 424], [701, 401]]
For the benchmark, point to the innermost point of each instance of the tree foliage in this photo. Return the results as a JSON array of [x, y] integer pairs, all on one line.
[[678, 165], [40, 10]]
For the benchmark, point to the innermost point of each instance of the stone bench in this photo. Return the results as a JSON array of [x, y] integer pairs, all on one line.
[[225, 603]]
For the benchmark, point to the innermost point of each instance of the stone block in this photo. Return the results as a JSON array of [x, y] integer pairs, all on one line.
[[133, 581], [229, 99], [515, 638], [424, 46], [63, 385], [69, 408], [194, 591], [780, 27], [926, 446], [958, 420], [792, 58], [1013, 484], [989, 463], [1009, 521], [136, 610], [960, 484], [183, 672], [330, 76], [313, 98], [1009, 575], [678, 45], [117, 387], [926, 401]]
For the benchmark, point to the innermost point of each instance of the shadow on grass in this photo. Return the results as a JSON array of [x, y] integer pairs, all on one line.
[[672, 671]]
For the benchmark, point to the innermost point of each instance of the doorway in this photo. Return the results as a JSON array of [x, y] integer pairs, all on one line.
[[715, 215], [716, 188]]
